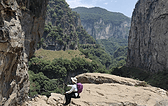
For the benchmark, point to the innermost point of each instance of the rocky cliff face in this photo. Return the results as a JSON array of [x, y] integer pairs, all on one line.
[[102, 30], [108, 90], [21, 26], [148, 39], [103, 24]]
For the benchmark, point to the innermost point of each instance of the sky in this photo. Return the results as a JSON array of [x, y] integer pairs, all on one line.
[[123, 6]]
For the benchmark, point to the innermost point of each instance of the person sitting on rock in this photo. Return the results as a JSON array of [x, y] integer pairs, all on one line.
[[73, 92]]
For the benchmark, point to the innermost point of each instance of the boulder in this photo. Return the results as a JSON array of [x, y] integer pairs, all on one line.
[[55, 99]]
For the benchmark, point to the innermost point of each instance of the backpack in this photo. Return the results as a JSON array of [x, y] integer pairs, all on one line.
[[79, 87]]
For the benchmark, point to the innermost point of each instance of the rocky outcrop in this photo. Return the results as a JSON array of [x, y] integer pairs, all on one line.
[[97, 78], [21, 26], [147, 46], [108, 90]]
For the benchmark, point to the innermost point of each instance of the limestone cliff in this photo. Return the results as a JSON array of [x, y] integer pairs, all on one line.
[[21, 26], [101, 30], [108, 90], [102, 24], [148, 38]]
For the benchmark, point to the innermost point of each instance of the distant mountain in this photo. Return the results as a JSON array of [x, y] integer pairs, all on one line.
[[110, 29], [103, 24]]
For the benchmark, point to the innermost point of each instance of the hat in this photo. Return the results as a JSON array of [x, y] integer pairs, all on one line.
[[74, 79]]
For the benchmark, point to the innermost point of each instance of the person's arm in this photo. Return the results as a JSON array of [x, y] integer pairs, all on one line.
[[71, 90], [69, 85]]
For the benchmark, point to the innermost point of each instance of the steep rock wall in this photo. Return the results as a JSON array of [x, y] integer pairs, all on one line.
[[148, 38], [21, 26], [102, 30]]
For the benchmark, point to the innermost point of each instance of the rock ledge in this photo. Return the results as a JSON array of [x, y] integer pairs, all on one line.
[[108, 90]]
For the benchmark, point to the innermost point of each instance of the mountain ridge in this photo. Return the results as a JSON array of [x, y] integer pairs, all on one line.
[[98, 10], [103, 24]]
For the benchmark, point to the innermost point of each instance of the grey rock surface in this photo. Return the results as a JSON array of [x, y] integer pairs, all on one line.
[[162, 103], [148, 38], [21, 26], [102, 30]]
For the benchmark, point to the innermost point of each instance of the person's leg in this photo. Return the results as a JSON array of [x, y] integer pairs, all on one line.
[[67, 97], [71, 95]]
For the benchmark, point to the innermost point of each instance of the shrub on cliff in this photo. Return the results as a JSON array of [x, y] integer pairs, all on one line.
[[40, 84], [96, 53]]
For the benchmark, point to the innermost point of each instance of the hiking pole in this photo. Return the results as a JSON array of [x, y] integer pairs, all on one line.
[[64, 100], [45, 90]]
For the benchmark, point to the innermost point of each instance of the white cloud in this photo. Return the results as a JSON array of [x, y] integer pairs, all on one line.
[[105, 3], [77, 3]]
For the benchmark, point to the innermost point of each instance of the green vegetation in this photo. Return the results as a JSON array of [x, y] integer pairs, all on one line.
[[67, 54], [112, 44], [119, 57], [49, 76], [84, 37], [62, 27], [117, 49], [96, 53], [40, 84], [94, 14]]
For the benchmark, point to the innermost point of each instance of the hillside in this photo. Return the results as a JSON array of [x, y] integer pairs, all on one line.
[[63, 30], [112, 44]]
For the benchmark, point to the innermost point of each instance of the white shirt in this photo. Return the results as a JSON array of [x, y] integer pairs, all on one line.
[[73, 89]]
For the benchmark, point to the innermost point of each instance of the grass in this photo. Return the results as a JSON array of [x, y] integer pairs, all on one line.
[[68, 54]]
